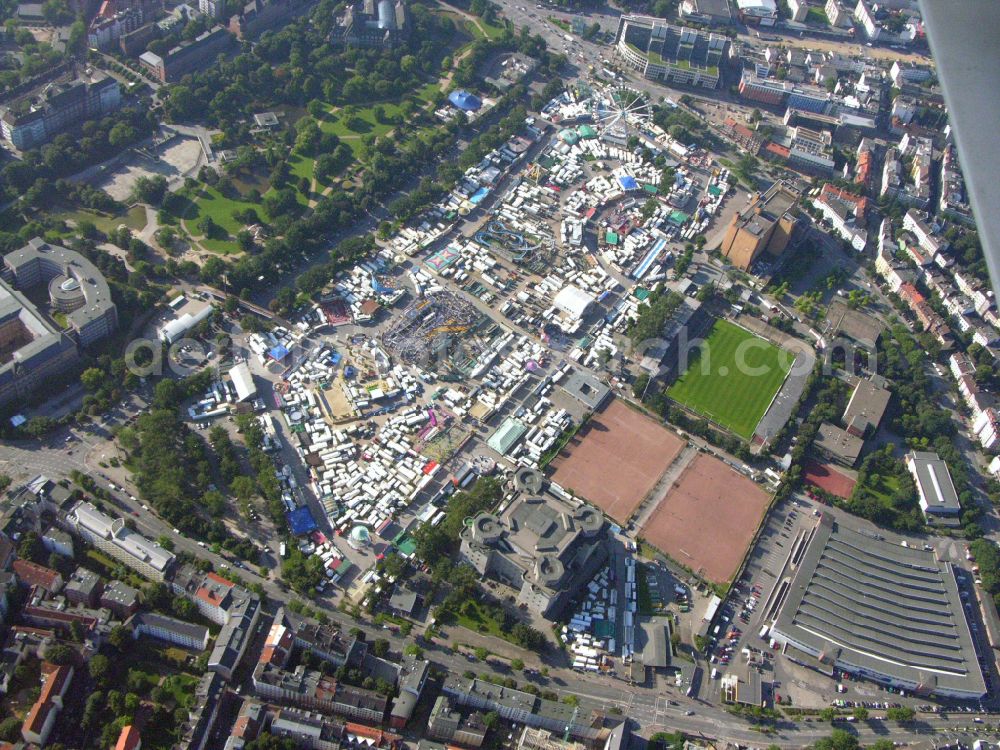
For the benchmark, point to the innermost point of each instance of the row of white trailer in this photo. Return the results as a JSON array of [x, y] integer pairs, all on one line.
[[567, 107], [432, 224], [588, 650], [357, 285], [214, 402], [356, 485], [631, 606], [410, 240]]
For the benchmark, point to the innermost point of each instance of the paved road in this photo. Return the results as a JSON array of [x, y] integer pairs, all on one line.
[[650, 707]]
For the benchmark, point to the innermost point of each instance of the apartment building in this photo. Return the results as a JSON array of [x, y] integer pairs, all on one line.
[[169, 630], [189, 56], [764, 90], [838, 14], [710, 12], [930, 241], [845, 212], [954, 201], [32, 575], [232, 641], [986, 428], [257, 16], [663, 52], [113, 537], [203, 713], [449, 725], [117, 18], [214, 597], [311, 690], [799, 10], [40, 719], [810, 151], [34, 120], [522, 708]]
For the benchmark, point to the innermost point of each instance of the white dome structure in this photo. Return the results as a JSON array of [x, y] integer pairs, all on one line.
[[359, 537]]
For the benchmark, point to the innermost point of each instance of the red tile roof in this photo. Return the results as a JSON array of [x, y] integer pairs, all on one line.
[[778, 150], [35, 720], [219, 579], [56, 680], [36, 575], [859, 202], [129, 739]]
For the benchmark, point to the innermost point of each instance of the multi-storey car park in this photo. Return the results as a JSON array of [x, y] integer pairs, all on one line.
[[879, 610]]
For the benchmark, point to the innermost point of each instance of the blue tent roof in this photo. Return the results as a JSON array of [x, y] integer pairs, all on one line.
[[464, 100], [278, 352], [628, 182], [301, 521]]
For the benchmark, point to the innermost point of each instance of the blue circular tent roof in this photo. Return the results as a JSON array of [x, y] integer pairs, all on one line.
[[464, 100]]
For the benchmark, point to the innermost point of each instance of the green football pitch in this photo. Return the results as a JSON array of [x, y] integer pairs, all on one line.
[[732, 378]]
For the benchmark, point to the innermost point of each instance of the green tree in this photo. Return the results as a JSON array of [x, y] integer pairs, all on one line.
[[900, 714], [10, 729], [122, 134], [119, 637], [60, 653], [98, 667], [30, 547], [860, 713], [93, 379], [517, 665], [838, 740]]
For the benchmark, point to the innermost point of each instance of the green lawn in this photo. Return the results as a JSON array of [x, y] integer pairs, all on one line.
[[478, 621], [716, 386], [883, 489], [427, 92], [210, 202], [134, 219], [338, 126], [301, 166], [817, 16], [493, 31]]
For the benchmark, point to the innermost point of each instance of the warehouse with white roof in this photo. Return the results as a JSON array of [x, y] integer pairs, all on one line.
[[573, 301], [243, 382], [938, 497]]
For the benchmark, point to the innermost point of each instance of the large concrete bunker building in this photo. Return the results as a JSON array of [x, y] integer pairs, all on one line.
[[766, 224], [547, 547], [876, 609]]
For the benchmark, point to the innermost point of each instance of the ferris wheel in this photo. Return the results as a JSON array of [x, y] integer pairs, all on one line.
[[619, 111]]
